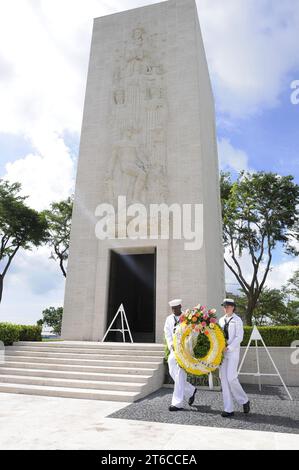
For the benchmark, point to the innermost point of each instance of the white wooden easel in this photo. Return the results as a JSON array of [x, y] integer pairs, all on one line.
[[211, 381], [256, 336], [124, 321]]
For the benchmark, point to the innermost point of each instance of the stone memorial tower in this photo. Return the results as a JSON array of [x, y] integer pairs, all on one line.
[[148, 135]]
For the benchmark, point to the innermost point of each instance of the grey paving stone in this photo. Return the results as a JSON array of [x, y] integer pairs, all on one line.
[[271, 410]]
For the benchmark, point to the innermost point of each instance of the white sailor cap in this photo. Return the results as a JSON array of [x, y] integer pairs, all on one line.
[[175, 302], [228, 302]]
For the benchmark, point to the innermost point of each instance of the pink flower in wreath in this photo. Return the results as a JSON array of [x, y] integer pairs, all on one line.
[[203, 323], [205, 315], [213, 320]]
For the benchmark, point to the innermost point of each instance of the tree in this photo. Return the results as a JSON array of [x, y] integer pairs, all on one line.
[[291, 290], [259, 210], [59, 219], [241, 301], [20, 226], [292, 287], [52, 317], [272, 308]]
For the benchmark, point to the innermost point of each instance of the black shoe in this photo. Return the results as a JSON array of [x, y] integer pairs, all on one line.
[[225, 414], [191, 399], [246, 407], [174, 408]]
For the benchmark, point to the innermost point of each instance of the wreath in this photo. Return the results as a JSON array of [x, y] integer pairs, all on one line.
[[194, 323]]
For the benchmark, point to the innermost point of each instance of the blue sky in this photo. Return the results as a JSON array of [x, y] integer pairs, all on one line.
[[270, 138], [12, 147], [253, 56]]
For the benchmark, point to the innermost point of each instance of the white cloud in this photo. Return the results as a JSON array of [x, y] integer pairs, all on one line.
[[45, 48], [278, 276], [231, 282], [251, 48], [281, 273], [231, 158], [47, 45], [44, 52], [46, 176], [33, 283]]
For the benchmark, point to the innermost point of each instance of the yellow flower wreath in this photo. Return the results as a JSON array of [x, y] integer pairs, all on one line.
[[184, 340]]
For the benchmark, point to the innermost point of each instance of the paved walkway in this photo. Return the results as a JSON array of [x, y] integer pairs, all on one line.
[[29, 422]]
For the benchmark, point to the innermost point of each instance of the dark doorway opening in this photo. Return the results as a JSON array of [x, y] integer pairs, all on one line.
[[132, 282]]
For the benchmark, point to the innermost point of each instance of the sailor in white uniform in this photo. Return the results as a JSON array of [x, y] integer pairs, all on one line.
[[232, 326], [182, 388]]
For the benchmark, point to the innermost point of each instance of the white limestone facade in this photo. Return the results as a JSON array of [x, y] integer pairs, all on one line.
[[148, 133]]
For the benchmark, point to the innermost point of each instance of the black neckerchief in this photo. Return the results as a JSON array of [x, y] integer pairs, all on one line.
[[176, 322], [225, 329]]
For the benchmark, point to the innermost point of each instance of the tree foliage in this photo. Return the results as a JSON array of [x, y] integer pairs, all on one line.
[[274, 307], [52, 317], [260, 211], [59, 219], [20, 226]]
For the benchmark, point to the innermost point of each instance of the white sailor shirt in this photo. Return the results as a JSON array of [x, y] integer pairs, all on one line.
[[235, 331]]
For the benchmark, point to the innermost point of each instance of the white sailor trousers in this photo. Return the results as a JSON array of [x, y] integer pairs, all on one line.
[[231, 387], [182, 388]]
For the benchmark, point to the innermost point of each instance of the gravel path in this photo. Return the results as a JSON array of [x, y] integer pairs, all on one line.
[[271, 410]]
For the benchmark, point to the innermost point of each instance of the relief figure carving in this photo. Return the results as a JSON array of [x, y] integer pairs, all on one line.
[[136, 164], [127, 169]]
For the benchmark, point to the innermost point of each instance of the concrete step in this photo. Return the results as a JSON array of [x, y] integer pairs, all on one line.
[[93, 345], [79, 350], [79, 368], [87, 362], [80, 355], [121, 372], [75, 375], [71, 383], [107, 395]]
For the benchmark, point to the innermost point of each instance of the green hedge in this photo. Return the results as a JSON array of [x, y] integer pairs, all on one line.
[[30, 333], [273, 335], [9, 333]]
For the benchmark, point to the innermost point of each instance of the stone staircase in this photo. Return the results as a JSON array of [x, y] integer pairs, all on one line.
[[121, 372]]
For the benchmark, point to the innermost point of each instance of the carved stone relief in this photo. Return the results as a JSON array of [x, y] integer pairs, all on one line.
[[137, 163]]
